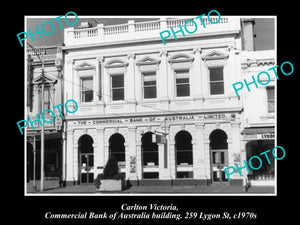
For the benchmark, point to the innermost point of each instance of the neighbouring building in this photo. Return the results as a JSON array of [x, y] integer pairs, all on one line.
[[50, 75], [259, 115]]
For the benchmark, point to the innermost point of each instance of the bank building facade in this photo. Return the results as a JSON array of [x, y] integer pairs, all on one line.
[[168, 113]]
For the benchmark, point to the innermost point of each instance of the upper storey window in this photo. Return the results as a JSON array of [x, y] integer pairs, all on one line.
[[86, 89], [117, 70], [181, 64], [182, 83], [215, 61], [216, 81], [149, 85], [271, 99], [117, 87], [86, 73]]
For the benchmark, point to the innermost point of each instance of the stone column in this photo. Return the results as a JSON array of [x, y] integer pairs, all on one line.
[[99, 151], [99, 79], [162, 85], [131, 155], [130, 80], [207, 158], [172, 159], [171, 83], [237, 149], [69, 158], [69, 86], [197, 79], [164, 171], [199, 153], [139, 163], [106, 86]]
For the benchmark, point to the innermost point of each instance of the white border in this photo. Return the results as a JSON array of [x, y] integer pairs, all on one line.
[[139, 194]]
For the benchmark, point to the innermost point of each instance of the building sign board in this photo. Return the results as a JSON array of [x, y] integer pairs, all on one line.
[[159, 119], [265, 136]]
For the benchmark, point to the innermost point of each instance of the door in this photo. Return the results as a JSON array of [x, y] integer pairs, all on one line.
[[219, 161], [86, 168]]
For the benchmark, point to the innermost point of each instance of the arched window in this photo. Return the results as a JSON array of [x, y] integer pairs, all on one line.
[[149, 156], [218, 139], [184, 154], [85, 144], [117, 148]]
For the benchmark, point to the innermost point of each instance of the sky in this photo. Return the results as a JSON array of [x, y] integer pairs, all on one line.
[[264, 29]]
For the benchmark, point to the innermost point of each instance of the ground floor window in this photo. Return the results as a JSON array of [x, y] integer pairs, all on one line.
[[184, 154], [149, 157], [150, 175], [52, 159], [184, 174], [254, 148], [117, 148]]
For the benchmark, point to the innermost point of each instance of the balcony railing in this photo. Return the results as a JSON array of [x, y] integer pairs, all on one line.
[[145, 30]]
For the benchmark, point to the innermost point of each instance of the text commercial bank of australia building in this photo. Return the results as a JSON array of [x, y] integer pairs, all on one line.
[[168, 113]]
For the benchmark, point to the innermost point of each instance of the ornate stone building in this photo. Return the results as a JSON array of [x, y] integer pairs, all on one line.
[[52, 96], [168, 113]]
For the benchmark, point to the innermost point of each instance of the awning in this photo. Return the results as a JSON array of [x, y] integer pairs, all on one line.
[[259, 133], [258, 130]]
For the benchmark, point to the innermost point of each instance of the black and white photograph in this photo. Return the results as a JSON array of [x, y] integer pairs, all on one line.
[[163, 118]]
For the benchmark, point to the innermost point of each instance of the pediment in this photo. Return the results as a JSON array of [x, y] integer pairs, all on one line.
[[181, 57], [85, 66], [147, 60], [115, 63], [47, 79], [214, 55]]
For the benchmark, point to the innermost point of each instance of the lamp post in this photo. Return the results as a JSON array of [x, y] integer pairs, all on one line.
[[42, 135], [34, 164], [42, 130]]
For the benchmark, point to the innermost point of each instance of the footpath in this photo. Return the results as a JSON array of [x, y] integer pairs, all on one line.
[[52, 187]]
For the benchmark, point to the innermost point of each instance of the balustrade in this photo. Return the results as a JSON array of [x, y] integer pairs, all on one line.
[[148, 29]]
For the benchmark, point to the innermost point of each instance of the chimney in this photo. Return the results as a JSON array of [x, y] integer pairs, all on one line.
[[84, 25], [248, 34]]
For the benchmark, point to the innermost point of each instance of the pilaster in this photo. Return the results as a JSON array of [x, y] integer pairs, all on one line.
[[163, 81], [130, 80], [199, 152]]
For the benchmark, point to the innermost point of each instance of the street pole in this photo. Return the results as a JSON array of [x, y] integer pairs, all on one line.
[[34, 163], [42, 135], [42, 132]]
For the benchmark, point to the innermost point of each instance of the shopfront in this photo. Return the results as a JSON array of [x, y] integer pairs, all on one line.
[[196, 148], [258, 140]]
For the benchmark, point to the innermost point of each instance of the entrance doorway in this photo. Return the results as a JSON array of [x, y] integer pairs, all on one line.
[[218, 156], [86, 159], [218, 163]]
